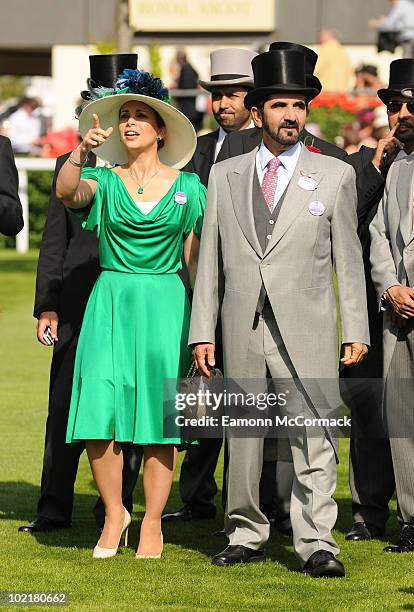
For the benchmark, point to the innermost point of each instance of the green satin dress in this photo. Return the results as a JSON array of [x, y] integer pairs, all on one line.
[[135, 329]]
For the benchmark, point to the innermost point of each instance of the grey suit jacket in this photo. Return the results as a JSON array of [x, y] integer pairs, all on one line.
[[296, 267], [392, 242]]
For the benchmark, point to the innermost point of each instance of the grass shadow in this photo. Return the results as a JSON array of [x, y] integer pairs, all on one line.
[[11, 266], [344, 521], [18, 502]]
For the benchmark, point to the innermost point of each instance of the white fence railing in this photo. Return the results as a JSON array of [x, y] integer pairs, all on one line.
[[23, 165]]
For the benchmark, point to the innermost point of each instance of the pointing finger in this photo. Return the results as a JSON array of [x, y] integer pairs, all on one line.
[[394, 129], [95, 121]]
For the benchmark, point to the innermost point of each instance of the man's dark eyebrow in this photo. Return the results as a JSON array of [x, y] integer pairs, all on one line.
[[279, 103]]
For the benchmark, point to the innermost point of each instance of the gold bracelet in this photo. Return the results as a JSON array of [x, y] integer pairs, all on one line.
[[76, 163]]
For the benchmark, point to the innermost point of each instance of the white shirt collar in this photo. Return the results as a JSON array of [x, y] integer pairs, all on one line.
[[400, 155], [288, 158], [221, 136]]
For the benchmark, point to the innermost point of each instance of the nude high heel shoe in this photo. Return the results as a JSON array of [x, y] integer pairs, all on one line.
[[137, 556], [105, 553]]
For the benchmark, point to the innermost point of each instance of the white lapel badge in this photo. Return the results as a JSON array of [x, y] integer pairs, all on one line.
[[307, 182], [180, 197], [316, 208]]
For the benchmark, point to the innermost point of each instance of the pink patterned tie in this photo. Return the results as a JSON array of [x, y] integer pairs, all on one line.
[[269, 183]]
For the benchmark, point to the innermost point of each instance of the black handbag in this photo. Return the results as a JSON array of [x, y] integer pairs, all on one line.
[[197, 384]]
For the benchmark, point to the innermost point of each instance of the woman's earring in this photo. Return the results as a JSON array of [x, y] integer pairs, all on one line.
[[159, 138]]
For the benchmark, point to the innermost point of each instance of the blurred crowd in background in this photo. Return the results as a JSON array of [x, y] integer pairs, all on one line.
[[347, 112]]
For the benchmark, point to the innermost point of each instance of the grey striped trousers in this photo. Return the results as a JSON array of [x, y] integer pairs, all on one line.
[[399, 406]]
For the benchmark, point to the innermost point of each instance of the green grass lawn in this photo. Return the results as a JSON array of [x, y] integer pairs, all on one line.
[[184, 579]]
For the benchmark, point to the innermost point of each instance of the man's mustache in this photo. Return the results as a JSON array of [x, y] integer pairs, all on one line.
[[292, 125], [403, 124]]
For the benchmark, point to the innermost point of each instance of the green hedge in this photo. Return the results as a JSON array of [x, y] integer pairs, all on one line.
[[40, 183], [331, 120]]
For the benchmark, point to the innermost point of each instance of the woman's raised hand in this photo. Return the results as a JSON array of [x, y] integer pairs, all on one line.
[[95, 136]]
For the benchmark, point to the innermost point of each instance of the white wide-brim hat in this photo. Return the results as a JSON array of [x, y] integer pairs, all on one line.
[[179, 143]]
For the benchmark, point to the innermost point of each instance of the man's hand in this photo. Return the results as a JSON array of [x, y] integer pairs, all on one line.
[[203, 354], [47, 319], [354, 353], [387, 149], [401, 299]]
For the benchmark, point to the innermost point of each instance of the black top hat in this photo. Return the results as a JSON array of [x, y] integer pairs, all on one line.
[[401, 77], [310, 56], [281, 71], [104, 69], [310, 60]]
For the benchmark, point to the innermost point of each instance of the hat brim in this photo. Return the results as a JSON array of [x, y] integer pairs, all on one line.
[[313, 82], [180, 141], [261, 93], [385, 94], [244, 81]]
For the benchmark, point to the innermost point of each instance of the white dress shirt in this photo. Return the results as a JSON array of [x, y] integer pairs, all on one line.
[[288, 160], [400, 19], [221, 136], [400, 155], [23, 130]]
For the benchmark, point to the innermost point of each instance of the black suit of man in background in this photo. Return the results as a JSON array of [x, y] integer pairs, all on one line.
[[371, 471], [11, 214]]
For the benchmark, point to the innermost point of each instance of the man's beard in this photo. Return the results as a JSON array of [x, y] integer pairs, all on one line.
[[406, 137], [230, 123], [277, 136]]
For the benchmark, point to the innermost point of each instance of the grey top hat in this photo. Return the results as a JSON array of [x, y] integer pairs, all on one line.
[[230, 67]]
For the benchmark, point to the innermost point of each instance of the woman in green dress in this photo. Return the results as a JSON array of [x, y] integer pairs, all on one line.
[[146, 215]]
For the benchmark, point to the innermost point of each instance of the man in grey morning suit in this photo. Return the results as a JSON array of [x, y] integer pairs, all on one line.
[[277, 240], [392, 268]]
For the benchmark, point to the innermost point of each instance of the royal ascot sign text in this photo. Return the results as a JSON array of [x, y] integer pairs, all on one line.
[[202, 15]]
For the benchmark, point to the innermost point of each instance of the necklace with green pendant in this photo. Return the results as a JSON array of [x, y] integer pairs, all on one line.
[[141, 187]]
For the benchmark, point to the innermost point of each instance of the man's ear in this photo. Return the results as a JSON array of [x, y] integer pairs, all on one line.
[[307, 110], [256, 116]]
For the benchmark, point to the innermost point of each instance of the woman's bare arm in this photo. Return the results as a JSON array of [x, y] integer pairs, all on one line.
[[70, 188], [191, 251]]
